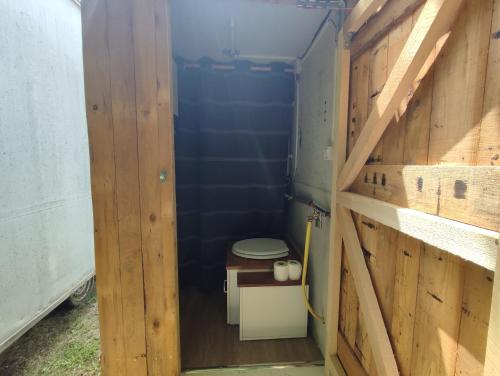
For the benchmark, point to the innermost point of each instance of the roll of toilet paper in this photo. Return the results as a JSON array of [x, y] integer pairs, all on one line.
[[280, 271], [294, 270]]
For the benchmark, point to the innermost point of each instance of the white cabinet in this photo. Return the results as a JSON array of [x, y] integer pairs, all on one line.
[[233, 294], [270, 309]]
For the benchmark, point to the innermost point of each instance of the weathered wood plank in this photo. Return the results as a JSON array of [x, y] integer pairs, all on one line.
[[437, 319], [339, 138], [434, 21], [100, 130], [376, 80], [469, 194], [474, 321], [369, 307], [471, 243], [459, 76], [405, 299], [489, 137], [492, 359], [120, 43], [348, 304], [358, 101], [363, 10], [127, 74], [393, 141], [157, 213], [393, 13], [167, 189]]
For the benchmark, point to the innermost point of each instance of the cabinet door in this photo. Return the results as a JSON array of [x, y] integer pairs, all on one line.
[[233, 298]]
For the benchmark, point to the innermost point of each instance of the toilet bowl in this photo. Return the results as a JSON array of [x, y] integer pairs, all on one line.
[[260, 248]]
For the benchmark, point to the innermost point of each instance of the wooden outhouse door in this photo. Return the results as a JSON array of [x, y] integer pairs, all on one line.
[[127, 60]]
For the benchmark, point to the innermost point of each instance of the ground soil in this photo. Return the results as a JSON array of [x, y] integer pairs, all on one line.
[[65, 343]]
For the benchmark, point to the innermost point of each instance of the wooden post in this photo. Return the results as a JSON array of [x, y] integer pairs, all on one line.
[[127, 56], [339, 136]]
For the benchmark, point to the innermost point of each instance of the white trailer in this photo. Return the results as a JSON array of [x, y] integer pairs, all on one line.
[[46, 236]]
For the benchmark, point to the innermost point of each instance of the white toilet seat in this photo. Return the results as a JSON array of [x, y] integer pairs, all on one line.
[[260, 248]]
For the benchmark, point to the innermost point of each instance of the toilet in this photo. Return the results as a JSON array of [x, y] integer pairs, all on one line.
[[250, 255], [260, 248]]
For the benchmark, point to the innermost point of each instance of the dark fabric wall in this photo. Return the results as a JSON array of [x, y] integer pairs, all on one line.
[[231, 139]]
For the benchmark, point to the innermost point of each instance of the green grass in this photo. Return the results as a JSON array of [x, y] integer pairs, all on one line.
[[65, 343]]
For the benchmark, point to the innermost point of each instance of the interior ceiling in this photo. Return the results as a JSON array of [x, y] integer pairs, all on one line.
[[260, 29]]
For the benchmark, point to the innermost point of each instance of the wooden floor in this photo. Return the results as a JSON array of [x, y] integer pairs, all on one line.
[[207, 341]]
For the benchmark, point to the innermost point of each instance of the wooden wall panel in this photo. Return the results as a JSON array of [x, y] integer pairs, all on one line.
[[129, 111], [405, 299], [436, 306], [438, 313], [458, 90], [489, 138], [358, 105], [476, 305]]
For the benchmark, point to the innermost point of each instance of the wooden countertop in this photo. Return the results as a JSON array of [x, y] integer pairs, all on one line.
[[261, 279], [237, 262]]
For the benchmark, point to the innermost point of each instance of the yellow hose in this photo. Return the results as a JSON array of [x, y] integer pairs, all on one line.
[[304, 272]]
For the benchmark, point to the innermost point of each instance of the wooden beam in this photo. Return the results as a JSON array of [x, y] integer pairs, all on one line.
[[363, 10], [434, 21], [469, 194], [471, 243], [492, 359], [339, 137], [127, 56], [369, 307]]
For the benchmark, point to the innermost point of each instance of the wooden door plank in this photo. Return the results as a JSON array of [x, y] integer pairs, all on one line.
[[405, 299], [358, 98], [349, 304], [394, 137], [476, 305], [363, 10], [372, 316], [339, 137], [492, 359], [377, 79], [437, 320], [127, 76], [393, 13], [156, 205], [459, 79], [471, 243], [127, 186], [100, 129], [489, 137], [167, 190], [435, 21]]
